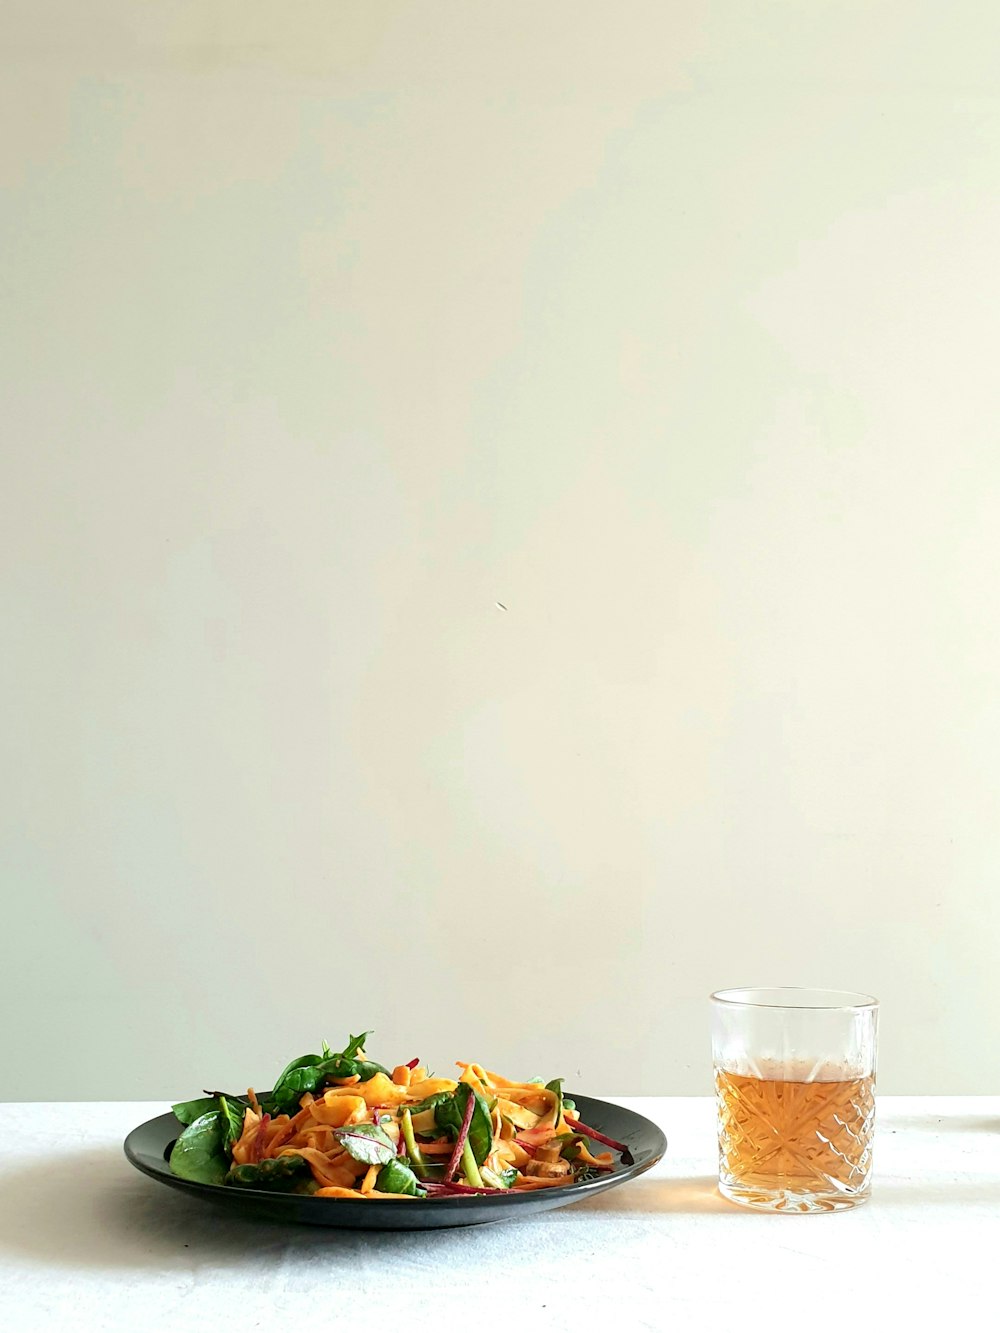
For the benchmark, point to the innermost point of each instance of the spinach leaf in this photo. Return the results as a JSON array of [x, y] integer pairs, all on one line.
[[556, 1087], [369, 1144], [365, 1069], [290, 1087], [294, 1083], [188, 1112], [227, 1102], [433, 1100], [198, 1153], [300, 1062], [354, 1045], [288, 1174], [231, 1113], [450, 1113], [309, 1073], [397, 1178]]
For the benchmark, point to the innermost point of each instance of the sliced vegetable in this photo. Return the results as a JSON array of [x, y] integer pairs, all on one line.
[[446, 1110], [260, 1137], [445, 1187], [499, 1180], [470, 1166], [620, 1148], [410, 1139], [454, 1112]]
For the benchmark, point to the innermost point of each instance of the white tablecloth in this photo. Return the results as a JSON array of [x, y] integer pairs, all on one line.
[[86, 1242]]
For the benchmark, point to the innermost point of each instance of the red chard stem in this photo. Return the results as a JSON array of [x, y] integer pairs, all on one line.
[[463, 1134]]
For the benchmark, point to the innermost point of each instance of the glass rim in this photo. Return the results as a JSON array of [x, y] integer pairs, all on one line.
[[848, 1000]]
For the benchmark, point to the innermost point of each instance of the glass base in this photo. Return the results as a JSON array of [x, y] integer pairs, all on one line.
[[791, 1201]]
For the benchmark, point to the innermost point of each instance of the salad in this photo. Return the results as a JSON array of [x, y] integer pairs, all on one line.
[[338, 1125]]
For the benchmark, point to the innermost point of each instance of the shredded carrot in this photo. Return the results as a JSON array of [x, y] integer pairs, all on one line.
[[541, 1182], [337, 1192], [368, 1184]]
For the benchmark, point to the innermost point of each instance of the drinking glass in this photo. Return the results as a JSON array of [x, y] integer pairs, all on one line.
[[795, 1090]]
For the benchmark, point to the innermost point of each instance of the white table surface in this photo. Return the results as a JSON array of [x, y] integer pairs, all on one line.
[[87, 1242]]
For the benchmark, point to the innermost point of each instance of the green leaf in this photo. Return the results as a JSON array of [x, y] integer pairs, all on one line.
[[288, 1174], [198, 1153], [231, 1113], [295, 1079], [369, 1144], [397, 1178], [556, 1087], [450, 1113], [354, 1045], [188, 1112], [300, 1062], [434, 1099], [365, 1069], [309, 1073]]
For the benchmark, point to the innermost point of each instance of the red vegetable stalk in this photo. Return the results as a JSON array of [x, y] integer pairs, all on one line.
[[453, 1187], [581, 1128], [463, 1134], [258, 1145]]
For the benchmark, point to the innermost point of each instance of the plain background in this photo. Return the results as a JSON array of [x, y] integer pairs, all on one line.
[[500, 533]]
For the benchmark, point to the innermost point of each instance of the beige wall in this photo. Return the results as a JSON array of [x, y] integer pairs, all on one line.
[[673, 328]]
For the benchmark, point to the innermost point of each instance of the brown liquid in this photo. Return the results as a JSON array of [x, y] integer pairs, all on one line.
[[777, 1134]]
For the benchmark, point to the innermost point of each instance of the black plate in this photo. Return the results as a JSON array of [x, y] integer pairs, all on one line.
[[148, 1147]]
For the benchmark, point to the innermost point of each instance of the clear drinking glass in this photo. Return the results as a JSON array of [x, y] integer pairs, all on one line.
[[795, 1087]]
